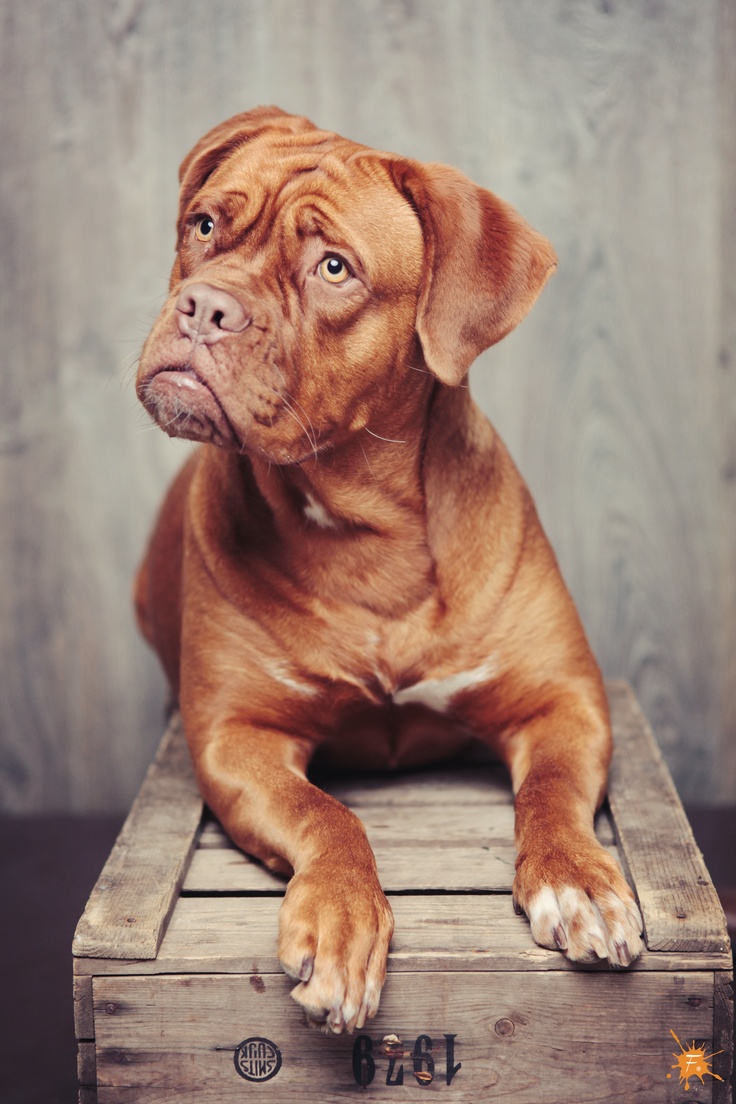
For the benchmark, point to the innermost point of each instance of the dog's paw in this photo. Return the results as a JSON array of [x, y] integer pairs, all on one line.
[[578, 901], [334, 934]]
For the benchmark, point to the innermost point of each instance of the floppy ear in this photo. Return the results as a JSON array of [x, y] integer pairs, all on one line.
[[484, 266], [219, 142]]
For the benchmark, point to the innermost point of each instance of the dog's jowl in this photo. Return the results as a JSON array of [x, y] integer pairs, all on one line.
[[350, 565]]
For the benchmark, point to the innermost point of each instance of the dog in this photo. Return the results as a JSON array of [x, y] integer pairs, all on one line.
[[350, 565]]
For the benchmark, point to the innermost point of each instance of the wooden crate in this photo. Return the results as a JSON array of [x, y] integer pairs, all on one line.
[[179, 995]]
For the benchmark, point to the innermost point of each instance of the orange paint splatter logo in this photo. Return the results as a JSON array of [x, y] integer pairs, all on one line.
[[692, 1062]]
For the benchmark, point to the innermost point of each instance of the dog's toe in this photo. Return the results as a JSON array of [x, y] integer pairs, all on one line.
[[584, 909], [335, 943], [585, 928]]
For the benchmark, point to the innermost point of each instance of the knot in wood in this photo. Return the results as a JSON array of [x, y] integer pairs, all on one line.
[[504, 1026]]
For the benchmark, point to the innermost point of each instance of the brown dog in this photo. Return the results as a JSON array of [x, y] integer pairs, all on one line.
[[351, 563]]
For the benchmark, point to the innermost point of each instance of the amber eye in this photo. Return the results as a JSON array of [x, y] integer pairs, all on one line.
[[204, 228], [333, 270]]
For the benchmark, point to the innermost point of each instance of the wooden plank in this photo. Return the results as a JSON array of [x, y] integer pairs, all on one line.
[[86, 1064], [482, 784], [436, 825], [432, 824], [433, 933], [537, 1037], [419, 844], [402, 867], [471, 855], [723, 1035], [679, 905], [87, 1095], [128, 909], [84, 1022]]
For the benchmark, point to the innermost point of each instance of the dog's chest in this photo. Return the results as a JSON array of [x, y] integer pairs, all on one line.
[[422, 658], [435, 692], [398, 711]]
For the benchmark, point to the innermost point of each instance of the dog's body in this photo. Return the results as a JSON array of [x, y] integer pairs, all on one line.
[[358, 570]]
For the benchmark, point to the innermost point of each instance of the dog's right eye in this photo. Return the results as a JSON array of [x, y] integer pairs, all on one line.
[[204, 228]]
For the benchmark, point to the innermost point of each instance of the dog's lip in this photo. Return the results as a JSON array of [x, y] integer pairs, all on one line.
[[186, 378], [187, 375]]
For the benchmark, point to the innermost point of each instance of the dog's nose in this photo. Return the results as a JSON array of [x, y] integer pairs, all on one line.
[[206, 313]]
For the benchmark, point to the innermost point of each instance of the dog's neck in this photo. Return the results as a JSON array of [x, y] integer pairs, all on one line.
[[354, 520], [370, 481]]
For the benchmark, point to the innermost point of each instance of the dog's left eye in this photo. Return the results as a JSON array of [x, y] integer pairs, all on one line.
[[204, 228], [333, 270]]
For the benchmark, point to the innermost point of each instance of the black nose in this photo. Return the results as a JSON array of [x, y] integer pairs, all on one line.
[[206, 313]]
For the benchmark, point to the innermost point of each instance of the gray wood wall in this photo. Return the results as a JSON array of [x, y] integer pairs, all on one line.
[[610, 124]]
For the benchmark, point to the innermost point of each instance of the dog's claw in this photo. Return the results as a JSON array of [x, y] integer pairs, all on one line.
[[307, 966], [585, 910], [335, 945]]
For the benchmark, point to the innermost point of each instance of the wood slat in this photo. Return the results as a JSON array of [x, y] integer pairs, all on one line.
[[433, 933], [451, 846], [723, 1035], [433, 824], [84, 1022], [411, 866], [401, 867], [483, 783], [128, 909], [679, 904], [535, 1037], [86, 1064]]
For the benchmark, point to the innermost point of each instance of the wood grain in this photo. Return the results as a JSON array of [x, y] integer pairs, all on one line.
[[172, 1038], [723, 1034], [86, 1065], [412, 862], [609, 125], [679, 904], [725, 416], [84, 1023], [434, 932], [129, 907]]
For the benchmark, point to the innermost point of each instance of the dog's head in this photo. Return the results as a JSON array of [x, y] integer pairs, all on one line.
[[312, 274]]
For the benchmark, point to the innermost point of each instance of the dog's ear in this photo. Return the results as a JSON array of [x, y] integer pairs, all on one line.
[[219, 142], [484, 266]]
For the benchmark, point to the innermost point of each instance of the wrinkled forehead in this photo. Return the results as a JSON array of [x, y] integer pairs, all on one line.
[[327, 188]]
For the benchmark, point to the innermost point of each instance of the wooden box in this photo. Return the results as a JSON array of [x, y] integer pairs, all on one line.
[[179, 995]]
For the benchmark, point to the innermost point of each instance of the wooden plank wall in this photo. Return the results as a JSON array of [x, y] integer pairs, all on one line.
[[609, 124]]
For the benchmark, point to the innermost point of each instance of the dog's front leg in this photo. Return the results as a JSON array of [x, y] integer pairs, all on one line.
[[335, 922], [573, 892]]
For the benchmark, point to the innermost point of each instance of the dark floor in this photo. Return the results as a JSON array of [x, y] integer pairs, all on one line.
[[48, 866]]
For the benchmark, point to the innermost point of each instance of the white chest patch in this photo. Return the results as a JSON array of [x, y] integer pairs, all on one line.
[[282, 673], [438, 693], [316, 512]]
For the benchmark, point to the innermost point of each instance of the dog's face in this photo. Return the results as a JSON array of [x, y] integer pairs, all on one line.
[[312, 275]]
